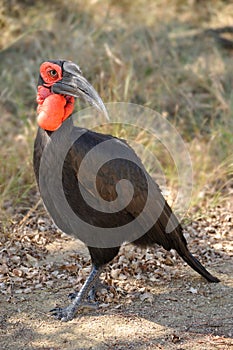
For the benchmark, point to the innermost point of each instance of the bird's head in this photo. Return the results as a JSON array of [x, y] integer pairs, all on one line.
[[59, 83]]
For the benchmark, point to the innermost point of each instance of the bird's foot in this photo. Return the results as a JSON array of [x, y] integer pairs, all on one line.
[[80, 299], [68, 313]]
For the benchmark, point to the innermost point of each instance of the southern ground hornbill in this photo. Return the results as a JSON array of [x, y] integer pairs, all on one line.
[[60, 82]]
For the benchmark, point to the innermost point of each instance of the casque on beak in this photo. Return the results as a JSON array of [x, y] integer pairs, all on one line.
[[74, 84]]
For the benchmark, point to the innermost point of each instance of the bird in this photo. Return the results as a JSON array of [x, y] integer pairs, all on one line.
[[90, 217]]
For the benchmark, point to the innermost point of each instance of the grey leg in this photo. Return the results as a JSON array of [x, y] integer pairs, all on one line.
[[67, 313], [97, 287]]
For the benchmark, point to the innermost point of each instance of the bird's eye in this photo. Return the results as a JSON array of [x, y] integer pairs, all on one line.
[[53, 73]]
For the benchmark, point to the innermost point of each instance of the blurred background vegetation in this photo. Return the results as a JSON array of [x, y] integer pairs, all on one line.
[[174, 56]]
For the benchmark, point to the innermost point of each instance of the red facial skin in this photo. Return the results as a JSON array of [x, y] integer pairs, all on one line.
[[52, 108]]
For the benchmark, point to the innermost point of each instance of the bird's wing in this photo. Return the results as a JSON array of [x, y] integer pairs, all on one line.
[[121, 184]]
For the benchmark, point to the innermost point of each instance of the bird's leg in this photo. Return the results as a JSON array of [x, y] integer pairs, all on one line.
[[67, 313], [98, 286]]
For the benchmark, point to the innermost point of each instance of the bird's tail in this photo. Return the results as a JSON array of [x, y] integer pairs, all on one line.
[[185, 254], [172, 238], [178, 242]]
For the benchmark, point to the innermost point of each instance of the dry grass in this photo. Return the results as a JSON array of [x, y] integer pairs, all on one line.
[[153, 53]]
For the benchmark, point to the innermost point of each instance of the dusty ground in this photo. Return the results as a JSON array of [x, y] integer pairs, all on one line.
[[152, 304], [156, 301]]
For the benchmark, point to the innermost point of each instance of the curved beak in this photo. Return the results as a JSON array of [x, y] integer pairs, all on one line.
[[74, 84]]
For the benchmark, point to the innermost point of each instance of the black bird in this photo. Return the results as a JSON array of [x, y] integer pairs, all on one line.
[[61, 144]]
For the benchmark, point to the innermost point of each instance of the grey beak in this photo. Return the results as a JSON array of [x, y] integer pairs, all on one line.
[[74, 84]]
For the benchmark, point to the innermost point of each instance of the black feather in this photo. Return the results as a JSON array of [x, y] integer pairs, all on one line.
[[106, 179]]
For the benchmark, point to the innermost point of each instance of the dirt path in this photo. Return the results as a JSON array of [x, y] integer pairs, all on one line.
[[167, 306]]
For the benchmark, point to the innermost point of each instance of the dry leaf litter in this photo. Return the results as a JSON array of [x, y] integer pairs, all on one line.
[[25, 268]]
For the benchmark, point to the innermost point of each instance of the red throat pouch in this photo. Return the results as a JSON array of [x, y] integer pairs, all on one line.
[[52, 109]]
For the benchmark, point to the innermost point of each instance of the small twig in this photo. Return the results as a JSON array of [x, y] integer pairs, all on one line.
[[32, 210]]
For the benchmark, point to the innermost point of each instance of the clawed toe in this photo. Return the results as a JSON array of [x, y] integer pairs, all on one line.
[[80, 299], [68, 313], [63, 314], [73, 295]]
